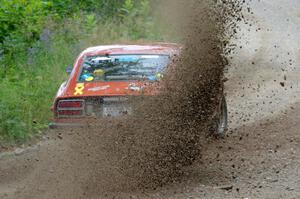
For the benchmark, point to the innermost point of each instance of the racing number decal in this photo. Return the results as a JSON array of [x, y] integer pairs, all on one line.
[[79, 89]]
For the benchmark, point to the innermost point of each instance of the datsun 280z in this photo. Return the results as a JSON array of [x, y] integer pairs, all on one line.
[[104, 76]]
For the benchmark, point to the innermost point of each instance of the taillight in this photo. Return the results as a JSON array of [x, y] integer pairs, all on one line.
[[70, 108], [70, 112], [70, 104]]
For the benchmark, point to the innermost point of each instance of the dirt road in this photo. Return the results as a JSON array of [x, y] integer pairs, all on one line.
[[256, 161], [260, 158]]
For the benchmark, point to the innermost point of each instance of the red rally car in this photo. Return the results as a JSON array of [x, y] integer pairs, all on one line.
[[104, 76]]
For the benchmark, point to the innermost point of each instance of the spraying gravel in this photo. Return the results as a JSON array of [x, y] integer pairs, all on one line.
[[150, 148], [163, 151]]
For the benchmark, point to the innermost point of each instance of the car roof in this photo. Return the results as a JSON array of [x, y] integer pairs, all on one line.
[[155, 48]]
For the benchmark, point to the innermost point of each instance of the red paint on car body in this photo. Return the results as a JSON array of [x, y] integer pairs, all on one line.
[[72, 90]]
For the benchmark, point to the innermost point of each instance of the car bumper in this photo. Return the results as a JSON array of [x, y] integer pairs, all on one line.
[[75, 122], [70, 123], [56, 125]]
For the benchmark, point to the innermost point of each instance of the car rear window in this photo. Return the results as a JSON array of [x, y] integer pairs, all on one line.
[[123, 67]]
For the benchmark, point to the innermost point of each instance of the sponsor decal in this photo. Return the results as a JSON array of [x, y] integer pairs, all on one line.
[[79, 89], [134, 87], [99, 88]]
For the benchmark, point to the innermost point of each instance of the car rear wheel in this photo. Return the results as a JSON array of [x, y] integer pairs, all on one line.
[[222, 119]]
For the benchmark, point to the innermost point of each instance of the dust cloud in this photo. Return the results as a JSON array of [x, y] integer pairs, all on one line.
[[152, 147]]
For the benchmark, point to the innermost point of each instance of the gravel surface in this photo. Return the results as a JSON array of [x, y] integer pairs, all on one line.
[[260, 158]]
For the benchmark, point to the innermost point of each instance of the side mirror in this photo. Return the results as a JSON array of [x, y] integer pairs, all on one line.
[[69, 70]]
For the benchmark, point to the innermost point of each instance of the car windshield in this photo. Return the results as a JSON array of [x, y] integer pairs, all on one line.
[[123, 67]]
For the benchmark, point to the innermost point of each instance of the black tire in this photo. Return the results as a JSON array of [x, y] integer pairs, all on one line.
[[222, 120]]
